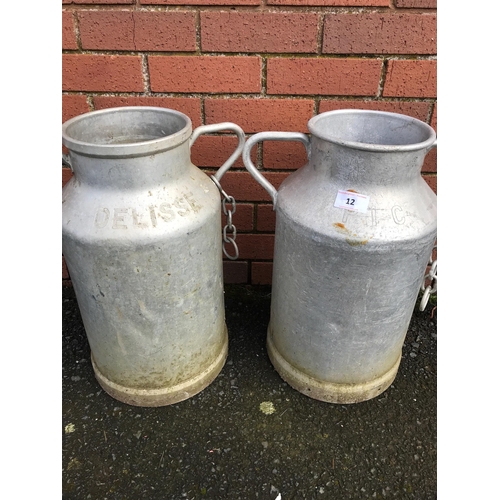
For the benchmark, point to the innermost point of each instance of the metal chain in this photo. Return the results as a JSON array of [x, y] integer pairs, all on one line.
[[429, 289], [226, 199]]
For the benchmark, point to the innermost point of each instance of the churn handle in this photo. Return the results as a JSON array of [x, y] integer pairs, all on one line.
[[218, 127], [271, 136]]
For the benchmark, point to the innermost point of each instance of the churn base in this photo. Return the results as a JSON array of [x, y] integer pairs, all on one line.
[[168, 395], [327, 391]]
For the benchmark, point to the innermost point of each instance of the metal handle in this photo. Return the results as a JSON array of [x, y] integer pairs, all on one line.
[[432, 288], [218, 127], [67, 161], [271, 136]]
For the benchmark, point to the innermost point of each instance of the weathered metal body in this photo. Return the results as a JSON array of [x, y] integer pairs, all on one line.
[[344, 282], [142, 242]]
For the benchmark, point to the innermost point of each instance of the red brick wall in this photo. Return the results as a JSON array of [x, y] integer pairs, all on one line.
[[263, 64]]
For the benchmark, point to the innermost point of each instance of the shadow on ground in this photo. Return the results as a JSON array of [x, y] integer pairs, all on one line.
[[220, 445]]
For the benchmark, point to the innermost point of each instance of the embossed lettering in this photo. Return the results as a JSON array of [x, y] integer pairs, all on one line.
[[101, 217], [368, 219], [118, 218], [182, 206], [137, 219], [152, 214], [397, 218], [166, 212], [189, 198]]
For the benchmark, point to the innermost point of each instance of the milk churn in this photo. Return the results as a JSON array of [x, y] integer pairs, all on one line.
[[355, 228], [142, 241]]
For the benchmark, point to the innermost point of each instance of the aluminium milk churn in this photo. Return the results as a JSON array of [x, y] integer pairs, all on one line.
[[142, 240], [355, 228]]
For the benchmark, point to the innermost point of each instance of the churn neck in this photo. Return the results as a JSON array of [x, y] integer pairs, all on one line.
[[128, 146], [372, 146]]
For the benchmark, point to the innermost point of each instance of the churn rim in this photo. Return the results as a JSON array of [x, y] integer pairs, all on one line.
[[313, 127], [133, 149]]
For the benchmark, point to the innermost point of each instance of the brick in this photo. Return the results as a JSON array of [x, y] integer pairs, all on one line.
[[66, 175], [213, 151], [105, 73], [65, 272], [242, 218], [430, 162], [259, 32], [376, 33], [416, 4], [189, 106], [266, 218], [323, 76], [68, 31], [200, 2], [419, 110], [434, 254], [100, 2], [434, 118], [262, 273], [235, 271], [257, 115], [431, 181], [244, 187], [204, 74], [411, 79], [136, 30], [332, 3], [73, 105], [256, 246], [283, 155]]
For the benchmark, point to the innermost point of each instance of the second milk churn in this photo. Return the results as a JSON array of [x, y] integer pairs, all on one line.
[[142, 241], [355, 228]]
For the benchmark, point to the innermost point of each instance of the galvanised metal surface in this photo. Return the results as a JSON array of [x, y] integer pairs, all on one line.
[[142, 240], [345, 282]]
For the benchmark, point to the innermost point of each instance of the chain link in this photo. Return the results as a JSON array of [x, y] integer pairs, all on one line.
[[429, 289], [228, 212]]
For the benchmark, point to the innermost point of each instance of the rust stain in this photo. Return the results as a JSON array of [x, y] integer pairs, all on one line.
[[351, 190], [351, 238], [356, 243]]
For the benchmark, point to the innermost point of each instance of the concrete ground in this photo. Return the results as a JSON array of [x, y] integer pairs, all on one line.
[[221, 445]]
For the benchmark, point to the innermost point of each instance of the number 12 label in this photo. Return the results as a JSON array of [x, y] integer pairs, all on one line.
[[355, 202]]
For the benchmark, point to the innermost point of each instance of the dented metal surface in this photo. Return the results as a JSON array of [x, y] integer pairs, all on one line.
[[345, 282], [142, 241]]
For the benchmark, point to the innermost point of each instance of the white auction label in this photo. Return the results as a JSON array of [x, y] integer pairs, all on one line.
[[349, 200]]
